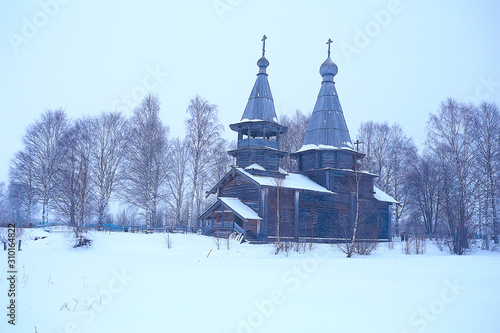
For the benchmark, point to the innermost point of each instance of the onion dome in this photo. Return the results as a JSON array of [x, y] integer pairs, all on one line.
[[328, 68], [263, 63]]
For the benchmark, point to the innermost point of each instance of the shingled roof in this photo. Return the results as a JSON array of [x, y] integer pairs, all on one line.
[[260, 105], [327, 126]]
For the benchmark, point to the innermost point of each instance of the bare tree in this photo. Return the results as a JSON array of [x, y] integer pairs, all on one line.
[[177, 180], [73, 199], [127, 217], [292, 141], [423, 188], [41, 143], [4, 214], [358, 236], [146, 163], [109, 141], [450, 139], [22, 189], [402, 153], [486, 131], [278, 183], [357, 217], [221, 161], [376, 139], [203, 137], [389, 153]]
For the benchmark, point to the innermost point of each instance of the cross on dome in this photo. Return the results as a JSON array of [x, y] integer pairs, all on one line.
[[264, 44], [329, 42]]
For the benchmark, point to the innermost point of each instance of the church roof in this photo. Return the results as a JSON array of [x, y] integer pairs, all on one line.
[[240, 208], [384, 197], [327, 127], [260, 105], [255, 166], [292, 181]]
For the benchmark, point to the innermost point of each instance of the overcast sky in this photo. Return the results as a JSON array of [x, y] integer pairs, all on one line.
[[397, 59]]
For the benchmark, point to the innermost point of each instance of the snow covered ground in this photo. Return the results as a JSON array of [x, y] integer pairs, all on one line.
[[134, 283]]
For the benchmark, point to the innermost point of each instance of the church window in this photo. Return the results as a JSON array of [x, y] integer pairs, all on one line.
[[313, 218], [379, 223]]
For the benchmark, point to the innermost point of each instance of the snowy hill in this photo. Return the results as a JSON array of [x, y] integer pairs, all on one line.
[[135, 283]]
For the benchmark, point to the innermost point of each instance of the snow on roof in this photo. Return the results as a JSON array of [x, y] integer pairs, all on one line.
[[359, 171], [382, 196], [246, 120], [240, 208], [313, 147], [280, 170], [255, 166], [291, 180]]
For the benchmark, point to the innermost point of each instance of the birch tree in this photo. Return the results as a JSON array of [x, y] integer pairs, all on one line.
[[177, 181], [486, 131], [450, 139], [423, 187], [389, 153], [41, 142], [4, 214], [353, 218], [73, 196], [292, 140], [278, 183], [109, 143], [221, 162], [147, 162], [376, 139], [203, 137], [402, 153], [356, 218], [22, 191]]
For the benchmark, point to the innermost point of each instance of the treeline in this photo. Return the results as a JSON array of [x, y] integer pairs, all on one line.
[[450, 189], [70, 171], [73, 169]]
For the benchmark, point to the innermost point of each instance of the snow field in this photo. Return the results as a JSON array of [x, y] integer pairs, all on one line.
[[134, 283]]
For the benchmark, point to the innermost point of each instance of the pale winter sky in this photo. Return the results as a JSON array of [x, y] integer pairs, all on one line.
[[397, 59]]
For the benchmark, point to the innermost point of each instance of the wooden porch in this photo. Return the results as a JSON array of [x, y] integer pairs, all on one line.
[[230, 215]]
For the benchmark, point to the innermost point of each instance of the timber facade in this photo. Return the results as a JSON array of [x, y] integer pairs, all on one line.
[[326, 196]]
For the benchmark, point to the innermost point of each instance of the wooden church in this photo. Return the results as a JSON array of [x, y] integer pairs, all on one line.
[[322, 201]]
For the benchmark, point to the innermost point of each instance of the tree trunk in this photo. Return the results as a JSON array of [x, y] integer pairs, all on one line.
[[356, 219]]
